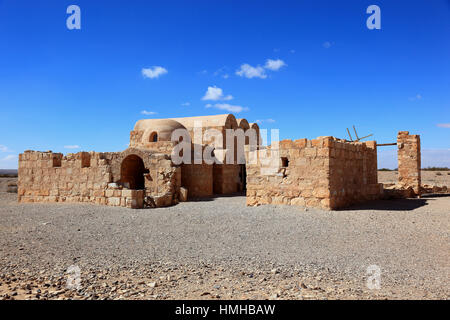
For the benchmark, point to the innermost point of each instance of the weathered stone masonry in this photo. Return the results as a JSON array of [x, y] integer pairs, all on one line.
[[325, 172], [141, 176], [409, 162], [96, 178]]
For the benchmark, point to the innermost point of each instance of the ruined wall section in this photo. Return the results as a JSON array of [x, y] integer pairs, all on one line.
[[197, 179], [162, 178], [95, 177], [162, 182], [409, 161], [325, 172], [227, 178], [52, 177], [300, 177], [353, 173]]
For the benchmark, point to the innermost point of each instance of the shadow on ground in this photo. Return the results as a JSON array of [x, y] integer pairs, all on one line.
[[216, 196], [392, 204]]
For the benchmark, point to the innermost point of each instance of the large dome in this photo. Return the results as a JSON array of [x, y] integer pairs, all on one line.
[[222, 120]]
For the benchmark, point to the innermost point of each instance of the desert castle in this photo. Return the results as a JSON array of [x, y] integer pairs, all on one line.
[[165, 164]]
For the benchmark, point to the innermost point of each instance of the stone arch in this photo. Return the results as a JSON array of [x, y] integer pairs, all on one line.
[[132, 170], [145, 155]]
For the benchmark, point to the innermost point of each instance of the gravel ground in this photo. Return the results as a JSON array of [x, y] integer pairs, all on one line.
[[4, 183], [219, 248]]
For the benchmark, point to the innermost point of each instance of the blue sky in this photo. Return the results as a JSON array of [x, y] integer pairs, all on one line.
[[71, 90]]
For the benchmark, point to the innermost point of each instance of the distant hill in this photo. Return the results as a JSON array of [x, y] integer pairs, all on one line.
[[8, 172]]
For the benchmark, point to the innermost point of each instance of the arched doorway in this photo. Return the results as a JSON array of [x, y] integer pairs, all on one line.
[[132, 172]]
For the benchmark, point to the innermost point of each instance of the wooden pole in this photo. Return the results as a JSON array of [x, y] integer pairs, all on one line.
[[348, 131], [366, 136], [356, 134]]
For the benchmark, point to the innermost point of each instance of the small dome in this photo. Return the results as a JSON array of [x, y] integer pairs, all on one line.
[[163, 129]]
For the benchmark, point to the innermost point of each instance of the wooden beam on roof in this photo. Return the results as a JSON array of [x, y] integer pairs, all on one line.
[[386, 144]]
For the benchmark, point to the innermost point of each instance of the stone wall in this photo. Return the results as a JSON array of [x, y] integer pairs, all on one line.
[[303, 178], [325, 172], [52, 177], [409, 162], [353, 173], [227, 178], [98, 178], [136, 141], [197, 179], [162, 182]]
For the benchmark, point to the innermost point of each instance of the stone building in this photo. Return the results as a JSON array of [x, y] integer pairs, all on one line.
[[219, 155], [144, 174]]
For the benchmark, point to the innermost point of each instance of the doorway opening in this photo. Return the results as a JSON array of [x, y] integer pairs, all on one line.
[[243, 177], [132, 172]]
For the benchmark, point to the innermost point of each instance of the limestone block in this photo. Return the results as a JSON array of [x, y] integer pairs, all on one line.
[[114, 201], [183, 194], [298, 202]]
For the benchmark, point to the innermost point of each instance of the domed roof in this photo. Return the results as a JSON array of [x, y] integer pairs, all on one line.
[[243, 124], [254, 125], [163, 127], [222, 120]]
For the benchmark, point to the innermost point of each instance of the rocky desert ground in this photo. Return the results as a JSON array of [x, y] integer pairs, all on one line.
[[220, 249]]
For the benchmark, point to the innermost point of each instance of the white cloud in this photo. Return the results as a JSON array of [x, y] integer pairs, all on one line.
[[153, 72], [443, 125], [4, 148], [416, 97], [9, 162], [220, 71], [265, 120], [186, 104], [227, 107], [148, 113], [75, 146], [274, 65], [10, 157], [248, 71], [214, 93], [225, 76], [292, 51], [327, 44]]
